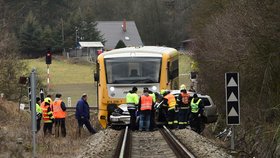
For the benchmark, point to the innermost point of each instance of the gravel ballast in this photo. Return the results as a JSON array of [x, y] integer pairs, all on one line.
[[100, 145], [104, 143], [199, 145]]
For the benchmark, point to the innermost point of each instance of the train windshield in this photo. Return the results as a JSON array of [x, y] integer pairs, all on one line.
[[133, 70]]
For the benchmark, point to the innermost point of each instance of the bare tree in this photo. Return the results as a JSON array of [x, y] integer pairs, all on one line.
[[243, 37]]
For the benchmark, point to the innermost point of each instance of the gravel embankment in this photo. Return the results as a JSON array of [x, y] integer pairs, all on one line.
[[100, 145], [103, 144], [199, 145]]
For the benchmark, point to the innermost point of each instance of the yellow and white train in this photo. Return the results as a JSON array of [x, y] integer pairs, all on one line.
[[121, 69]]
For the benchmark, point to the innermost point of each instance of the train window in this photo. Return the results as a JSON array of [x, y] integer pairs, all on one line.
[[173, 69], [133, 70]]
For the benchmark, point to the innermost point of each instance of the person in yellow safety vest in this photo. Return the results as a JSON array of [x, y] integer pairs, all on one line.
[[59, 113], [132, 101], [170, 101], [38, 113], [47, 116], [184, 107], [145, 107], [197, 108]]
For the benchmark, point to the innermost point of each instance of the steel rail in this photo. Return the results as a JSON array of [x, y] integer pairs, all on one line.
[[74, 108], [123, 147], [124, 143], [178, 148]]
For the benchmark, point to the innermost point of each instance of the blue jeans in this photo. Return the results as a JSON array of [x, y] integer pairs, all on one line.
[[145, 118]]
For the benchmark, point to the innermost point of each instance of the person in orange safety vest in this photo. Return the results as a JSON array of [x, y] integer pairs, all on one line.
[[170, 101], [59, 113], [184, 107], [47, 116], [145, 107]]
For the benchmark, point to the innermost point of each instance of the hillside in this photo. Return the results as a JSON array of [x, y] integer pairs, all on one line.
[[15, 125], [11, 121]]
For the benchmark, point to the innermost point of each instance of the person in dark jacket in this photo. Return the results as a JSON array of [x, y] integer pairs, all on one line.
[[83, 115]]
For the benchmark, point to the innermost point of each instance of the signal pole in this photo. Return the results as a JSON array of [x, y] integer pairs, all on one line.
[[48, 62], [33, 109], [48, 78]]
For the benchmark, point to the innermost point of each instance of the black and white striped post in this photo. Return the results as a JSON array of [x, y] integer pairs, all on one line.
[[48, 78]]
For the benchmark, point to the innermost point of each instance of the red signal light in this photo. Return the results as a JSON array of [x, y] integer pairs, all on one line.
[[48, 58]]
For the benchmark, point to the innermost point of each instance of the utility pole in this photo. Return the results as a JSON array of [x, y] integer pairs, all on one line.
[[62, 31], [33, 109], [76, 29]]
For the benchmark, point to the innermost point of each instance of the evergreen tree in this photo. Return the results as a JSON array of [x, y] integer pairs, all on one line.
[[88, 30], [81, 27], [47, 37], [30, 36]]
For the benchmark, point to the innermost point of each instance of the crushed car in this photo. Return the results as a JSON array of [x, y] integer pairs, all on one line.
[[210, 109]]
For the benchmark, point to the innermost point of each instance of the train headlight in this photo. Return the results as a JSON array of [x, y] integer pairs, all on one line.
[[112, 89], [154, 88]]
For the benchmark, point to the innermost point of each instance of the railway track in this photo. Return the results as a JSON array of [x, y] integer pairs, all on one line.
[[71, 110], [122, 150], [178, 148], [154, 144]]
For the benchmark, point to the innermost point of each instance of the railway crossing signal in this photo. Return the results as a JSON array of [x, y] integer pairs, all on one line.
[[48, 62], [49, 57], [232, 98]]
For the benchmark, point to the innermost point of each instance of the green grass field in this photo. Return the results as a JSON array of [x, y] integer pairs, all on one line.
[[63, 72], [67, 78], [71, 80]]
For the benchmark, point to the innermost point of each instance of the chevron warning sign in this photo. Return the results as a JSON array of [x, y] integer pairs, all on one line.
[[232, 98]]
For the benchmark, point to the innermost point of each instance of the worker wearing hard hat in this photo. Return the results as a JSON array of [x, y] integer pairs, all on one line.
[[47, 116], [170, 101], [183, 106]]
